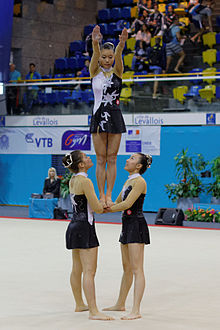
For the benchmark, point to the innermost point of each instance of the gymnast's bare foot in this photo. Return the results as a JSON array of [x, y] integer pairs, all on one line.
[[115, 308], [102, 201], [131, 316], [109, 202], [100, 316], [81, 308]]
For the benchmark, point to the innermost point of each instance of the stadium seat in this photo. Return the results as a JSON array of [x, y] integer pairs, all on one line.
[[193, 92], [112, 27], [61, 63], [180, 11], [209, 72], [126, 12], [134, 12], [209, 39], [128, 60], [218, 21], [88, 29], [217, 38], [77, 46], [51, 98], [103, 28], [115, 14], [128, 75], [128, 3], [62, 96], [104, 15], [130, 43], [178, 93], [69, 75], [196, 70], [75, 96], [208, 92], [72, 63], [162, 7], [184, 20], [138, 75], [218, 56], [126, 94], [217, 90], [209, 56], [116, 2], [153, 41]]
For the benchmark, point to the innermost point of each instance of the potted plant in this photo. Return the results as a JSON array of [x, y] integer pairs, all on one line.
[[64, 201], [214, 187], [186, 191]]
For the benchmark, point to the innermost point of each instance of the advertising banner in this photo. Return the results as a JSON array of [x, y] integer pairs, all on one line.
[[62, 140]]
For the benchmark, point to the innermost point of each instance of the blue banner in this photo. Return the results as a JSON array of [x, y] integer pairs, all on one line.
[[6, 19]]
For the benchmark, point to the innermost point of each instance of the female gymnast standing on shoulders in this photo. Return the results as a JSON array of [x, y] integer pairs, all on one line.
[[81, 235], [107, 122], [134, 234]]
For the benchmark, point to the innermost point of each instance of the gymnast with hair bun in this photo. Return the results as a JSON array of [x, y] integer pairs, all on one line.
[[81, 235], [134, 234], [107, 123]]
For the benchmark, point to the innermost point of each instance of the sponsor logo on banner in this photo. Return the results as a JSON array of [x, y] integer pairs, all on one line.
[[133, 146], [40, 142], [134, 134], [148, 120], [72, 140], [2, 121], [210, 119], [44, 121], [4, 142]]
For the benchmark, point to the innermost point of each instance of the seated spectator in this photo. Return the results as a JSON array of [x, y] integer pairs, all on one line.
[[138, 61], [12, 93], [156, 22], [157, 62], [144, 35], [169, 17], [85, 69], [32, 91], [173, 47], [52, 183]]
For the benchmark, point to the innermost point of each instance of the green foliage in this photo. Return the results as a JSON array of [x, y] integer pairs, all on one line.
[[187, 172], [214, 187], [64, 186]]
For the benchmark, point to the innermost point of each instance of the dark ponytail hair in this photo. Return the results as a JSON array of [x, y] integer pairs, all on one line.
[[72, 160], [108, 45], [145, 161]]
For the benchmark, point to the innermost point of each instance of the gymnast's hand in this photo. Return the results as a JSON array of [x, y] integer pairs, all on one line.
[[107, 210], [124, 35], [96, 35]]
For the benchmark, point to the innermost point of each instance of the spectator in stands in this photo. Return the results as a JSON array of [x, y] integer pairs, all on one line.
[[173, 47], [32, 91], [157, 62], [144, 35], [137, 25], [156, 22], [138, 61], [85, 69], [52, 183], [170, 16], [12, 93]]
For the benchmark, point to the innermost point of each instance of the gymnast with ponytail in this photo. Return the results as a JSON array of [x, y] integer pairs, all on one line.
[[81, 235], [134, 234]]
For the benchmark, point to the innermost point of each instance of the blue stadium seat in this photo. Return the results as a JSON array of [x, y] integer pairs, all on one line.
[[75, 96], [47, 76], [72, 63], [126, 12], [116, 2], [217, 92], [218, 20], [61, 63], [217, 36], [42, 99], [196, 70], [59, 75], [193, 92], [103, 29], [69, 75], [88, 29], [129, 2], [62, 95], [104, 15], [77, 46], [112, 27], [115, 14], [52, 98]]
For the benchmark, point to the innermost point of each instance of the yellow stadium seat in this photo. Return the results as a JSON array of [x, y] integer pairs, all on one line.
[[162, 7], [184, 20], [209, 72], [209, 39], [134, 12], [208, 92], [128, 75], [183, 4], [126, 94], [178, 93], [130, 43], [128, 60], [209, 56], [135, 1], [180, 11], [153, 41]]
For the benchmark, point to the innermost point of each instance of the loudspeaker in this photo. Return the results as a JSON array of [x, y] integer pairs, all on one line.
[[171, 217]]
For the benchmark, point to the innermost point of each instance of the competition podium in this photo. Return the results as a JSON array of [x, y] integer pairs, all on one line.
[[42, 208]]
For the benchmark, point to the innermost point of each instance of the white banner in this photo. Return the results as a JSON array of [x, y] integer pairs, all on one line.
[[61, 140]]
